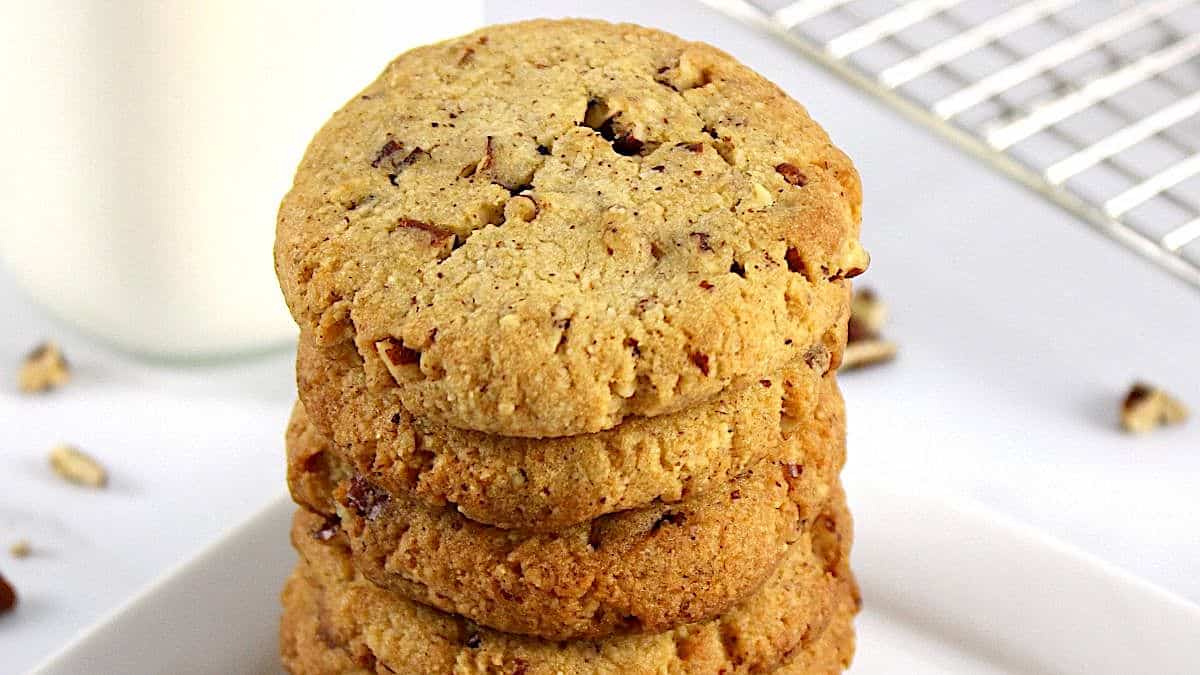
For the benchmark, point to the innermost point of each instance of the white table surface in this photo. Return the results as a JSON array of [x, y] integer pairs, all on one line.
[[1020, 330]]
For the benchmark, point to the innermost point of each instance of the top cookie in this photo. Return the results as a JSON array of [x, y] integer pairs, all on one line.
[[541, 228]]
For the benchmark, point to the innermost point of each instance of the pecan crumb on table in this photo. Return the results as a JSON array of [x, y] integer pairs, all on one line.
[[1147, 407], [864, 346], [45, 368], [74, 465], [20, 549], [8, 597]]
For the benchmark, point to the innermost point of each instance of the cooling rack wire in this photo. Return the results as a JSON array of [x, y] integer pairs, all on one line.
[[1095, 104]]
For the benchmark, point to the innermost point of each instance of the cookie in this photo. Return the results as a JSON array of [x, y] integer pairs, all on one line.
[[549, 484], [336, 621], [313, 470], [309, 647], [543, 228], [638, 570], [832, 652]]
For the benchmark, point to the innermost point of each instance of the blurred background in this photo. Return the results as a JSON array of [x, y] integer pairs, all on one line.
[[148, 145]]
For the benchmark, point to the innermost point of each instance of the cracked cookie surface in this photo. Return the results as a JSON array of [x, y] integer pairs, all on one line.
[[541, 229], [642, 570], [336, 621], [548, 484]]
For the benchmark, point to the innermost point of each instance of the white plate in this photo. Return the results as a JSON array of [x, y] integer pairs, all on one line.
[[949, 588]]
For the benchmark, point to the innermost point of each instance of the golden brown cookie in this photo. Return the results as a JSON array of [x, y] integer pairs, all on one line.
[[335, 621], [642, 570], [309, 647], [540, 229], [833, 651], [549, 484], [313, 469], [638, 570]]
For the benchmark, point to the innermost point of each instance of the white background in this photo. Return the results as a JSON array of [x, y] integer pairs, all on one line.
[[191, 450], [1019, 329]]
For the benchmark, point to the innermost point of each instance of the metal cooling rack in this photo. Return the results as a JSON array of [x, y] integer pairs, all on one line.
[[1095, 104]]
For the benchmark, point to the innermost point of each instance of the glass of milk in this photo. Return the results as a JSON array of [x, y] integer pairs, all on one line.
[[148, 145]]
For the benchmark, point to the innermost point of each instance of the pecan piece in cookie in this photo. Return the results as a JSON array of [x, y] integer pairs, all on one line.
[[403, 363], [365, 498], [792, 174], [20, 549], [862, 353]]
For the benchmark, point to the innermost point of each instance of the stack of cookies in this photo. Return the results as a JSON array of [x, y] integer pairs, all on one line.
[[572, 296]]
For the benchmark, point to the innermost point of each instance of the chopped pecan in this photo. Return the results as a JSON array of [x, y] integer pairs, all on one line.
[[867, 315], [402, 362], [389, 148], [20, 549], [760, 198], [600, 117], [792, 174], [399, 355], [864, 345], [818, 358], [596, 114], [366, 498], [1147, 407], [45, 368], [521, 209], [8, 597], [489, 156], [794, 262], [632, 345], [390, 160], [627, 145], [328, 529], [437, 234], [77, 467], [867, 352]]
